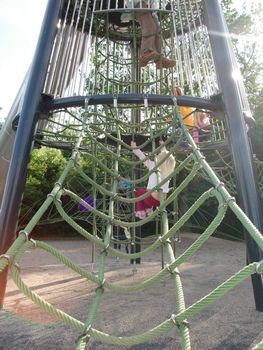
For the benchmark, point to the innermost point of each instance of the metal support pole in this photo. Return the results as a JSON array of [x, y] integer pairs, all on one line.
[[235, 101], [16, 177], [136, 73]]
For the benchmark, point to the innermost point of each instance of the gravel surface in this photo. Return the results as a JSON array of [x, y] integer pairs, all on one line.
[[230, 323]]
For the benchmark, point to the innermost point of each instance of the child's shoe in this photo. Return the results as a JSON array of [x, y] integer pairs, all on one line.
[[147, 56], [165, 63]]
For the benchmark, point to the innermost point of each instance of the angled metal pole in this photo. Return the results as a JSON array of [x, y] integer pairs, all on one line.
[[16, 177], [235, 101]]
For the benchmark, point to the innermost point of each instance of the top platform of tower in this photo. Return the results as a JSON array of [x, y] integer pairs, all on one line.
[[104, 16]]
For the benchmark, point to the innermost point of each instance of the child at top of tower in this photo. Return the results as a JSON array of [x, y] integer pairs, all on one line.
[[150, 27], [145, 206]]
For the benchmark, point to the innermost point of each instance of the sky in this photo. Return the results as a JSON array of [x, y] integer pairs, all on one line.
[[20, 23]]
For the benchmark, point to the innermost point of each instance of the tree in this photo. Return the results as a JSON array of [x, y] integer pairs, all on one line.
[[44, 169], [258, 137], [246, 31], [245, 27]]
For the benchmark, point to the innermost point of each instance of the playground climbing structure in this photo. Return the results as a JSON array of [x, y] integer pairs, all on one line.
[[92, 100]]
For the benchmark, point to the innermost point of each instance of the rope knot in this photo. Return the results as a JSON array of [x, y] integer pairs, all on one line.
[[7, 257], [160, 238], [115, 196], [110, 221], [58, 201], [105, 250], [145, 100], [173, 319], [218, 185], [17, 266], [259, 267], [158, 210], [201, 158], [26, 234], [172, 271], [34, 242], [85, 332], [87, 329], [86, 103], [115, 100], [10, 261], [174, 100], [179, 323], [211, 192], [183, 323], [230, 199], [101, 286]]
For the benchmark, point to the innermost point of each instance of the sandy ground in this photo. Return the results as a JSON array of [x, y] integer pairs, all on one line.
[[230, 323]]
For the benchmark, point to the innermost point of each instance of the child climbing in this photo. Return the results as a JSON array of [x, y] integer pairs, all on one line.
[[187, 113], [198, 122], [150, 27], [145, 206], [202, 125]]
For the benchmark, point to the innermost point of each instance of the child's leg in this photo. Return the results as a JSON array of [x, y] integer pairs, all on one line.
[[149, 31], [151, 202], [161, 61], [158, 32], [140, 206], [196, 135], [143, 206]]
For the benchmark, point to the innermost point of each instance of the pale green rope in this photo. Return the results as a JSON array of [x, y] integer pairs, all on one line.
[[181, 315]]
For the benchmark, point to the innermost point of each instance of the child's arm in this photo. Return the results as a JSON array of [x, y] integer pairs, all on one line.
[[141, 155]]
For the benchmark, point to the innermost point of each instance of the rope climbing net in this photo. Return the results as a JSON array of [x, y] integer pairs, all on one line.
[[103, 133]]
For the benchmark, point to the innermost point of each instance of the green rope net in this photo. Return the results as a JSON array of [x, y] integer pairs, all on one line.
[[109, 160]]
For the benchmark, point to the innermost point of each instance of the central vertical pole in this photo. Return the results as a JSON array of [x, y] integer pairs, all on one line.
[[136, 248], [234, 98], [16, 177]]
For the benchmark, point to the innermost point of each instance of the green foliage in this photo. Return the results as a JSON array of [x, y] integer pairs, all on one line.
[[229, 11], [259, 110], [245, 28], [44, 168], [258, 136]]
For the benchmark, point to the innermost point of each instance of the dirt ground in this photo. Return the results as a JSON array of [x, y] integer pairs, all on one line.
[[230, 323]]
